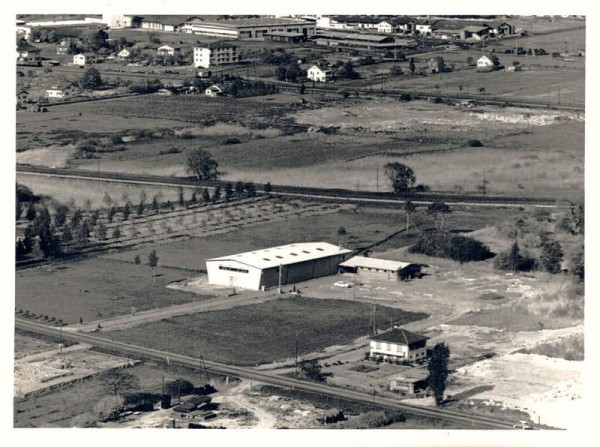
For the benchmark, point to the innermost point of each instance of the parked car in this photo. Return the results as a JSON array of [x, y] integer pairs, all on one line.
[[343, 284], [523, 425]]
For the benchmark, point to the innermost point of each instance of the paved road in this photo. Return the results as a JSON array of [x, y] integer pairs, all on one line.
[[471, 421]]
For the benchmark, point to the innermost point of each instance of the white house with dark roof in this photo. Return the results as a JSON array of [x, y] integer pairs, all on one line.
[[398, 344], [263, 269], [318, 74]]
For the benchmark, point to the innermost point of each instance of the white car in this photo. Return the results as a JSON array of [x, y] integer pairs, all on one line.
[[523, 425], [343, 284]]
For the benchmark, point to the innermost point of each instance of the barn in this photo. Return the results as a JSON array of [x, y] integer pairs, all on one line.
[[263, 269], [380, 269]]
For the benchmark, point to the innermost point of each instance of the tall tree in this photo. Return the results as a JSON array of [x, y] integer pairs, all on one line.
[[401, 176], [341, 234], [439, 210], [551, 256], [201, 163], [118, 382], [153, 262], [91, 79], [438, 371]]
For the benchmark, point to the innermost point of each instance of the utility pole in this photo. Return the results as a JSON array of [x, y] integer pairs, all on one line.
[[279, 288], [296, 362], [377, 179], [354, 284]]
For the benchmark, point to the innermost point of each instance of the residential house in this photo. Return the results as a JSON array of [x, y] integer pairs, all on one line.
[[436, 65], [318, 74], [488, 63], [474, 33], [385, 27], [64, 45], [167, 50], [124, 53], [403, 24], [216, 53], [423, 27], [27, 54], [213, 90], [56, 92], [82, 59], [497, 29], [399, 344]]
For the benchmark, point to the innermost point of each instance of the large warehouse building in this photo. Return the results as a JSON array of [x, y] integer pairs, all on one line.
[[248, 28], [263, 269]]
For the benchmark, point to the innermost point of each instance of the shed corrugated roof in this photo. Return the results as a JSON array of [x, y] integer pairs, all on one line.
[[284, 254], [383, 264], [400, 336]]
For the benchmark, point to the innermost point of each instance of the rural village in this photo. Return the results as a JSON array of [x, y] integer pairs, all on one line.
[[324, 222]]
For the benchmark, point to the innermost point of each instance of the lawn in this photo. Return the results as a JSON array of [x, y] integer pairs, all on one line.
[[264, 332], [95, 287]]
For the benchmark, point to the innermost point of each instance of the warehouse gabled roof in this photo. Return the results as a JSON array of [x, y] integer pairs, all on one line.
[[374, 263], [285, 254], [400, 336]]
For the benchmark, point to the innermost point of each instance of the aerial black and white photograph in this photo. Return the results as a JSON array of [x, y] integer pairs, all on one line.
[[299, 221]]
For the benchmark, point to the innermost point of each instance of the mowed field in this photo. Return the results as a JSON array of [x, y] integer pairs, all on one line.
[[264, 332], [96, 288]]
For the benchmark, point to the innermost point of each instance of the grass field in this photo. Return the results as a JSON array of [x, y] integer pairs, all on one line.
[[364, 226], [95, 287], [264, 332]]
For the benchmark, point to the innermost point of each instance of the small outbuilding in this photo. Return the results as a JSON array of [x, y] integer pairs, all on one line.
[[214, 90], [380, 269]]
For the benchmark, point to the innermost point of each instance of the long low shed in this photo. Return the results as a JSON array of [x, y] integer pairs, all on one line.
[[380, 269], [262, 269]]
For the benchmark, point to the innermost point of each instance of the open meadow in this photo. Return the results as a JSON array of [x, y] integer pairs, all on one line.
[[262, 333], [96, 288]]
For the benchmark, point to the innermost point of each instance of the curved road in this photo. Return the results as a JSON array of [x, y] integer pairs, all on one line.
[[472, 421]]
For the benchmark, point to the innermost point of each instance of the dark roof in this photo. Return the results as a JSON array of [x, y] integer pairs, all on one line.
[[401, 336], [166, 20], [185, 407], [23, 45], [358, 19], [220, 44], [197, 400], [284, 34], [402, 20]]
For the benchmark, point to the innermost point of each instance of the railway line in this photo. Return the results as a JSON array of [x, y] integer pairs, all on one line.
[[471, 421], [324, 194]]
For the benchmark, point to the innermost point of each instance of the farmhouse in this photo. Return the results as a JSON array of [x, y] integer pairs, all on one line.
[[385, 27], [317, 74], [380, 269], [84, 58], [436, 64], [27, 53], [249, 28], [168, 50], [488, 63], [266, 268], [216, 53], [55, 92], [474, 33], [64, 45], [399, 344], [124, 53]]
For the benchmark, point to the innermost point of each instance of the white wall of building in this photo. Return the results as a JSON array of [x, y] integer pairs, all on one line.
[[397, 350], [79, 59], [201, 57], [234, 274]]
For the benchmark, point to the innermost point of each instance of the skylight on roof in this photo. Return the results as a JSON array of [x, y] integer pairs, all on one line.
[[293, 254], [320, 249], [280, 257], [266, 259], [304, 251]]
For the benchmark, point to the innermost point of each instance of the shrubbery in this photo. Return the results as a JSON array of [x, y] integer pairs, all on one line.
[[446, 245], [512, 260]]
